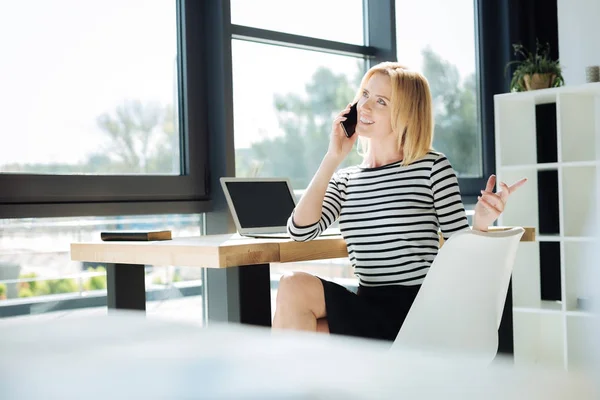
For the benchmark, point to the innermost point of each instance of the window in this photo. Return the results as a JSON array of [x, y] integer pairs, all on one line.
[[83, 103], [441, 45], [37, 275], [284, 103], [337, 20], [94, 113]]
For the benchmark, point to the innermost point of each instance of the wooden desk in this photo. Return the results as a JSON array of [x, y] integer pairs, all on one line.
[[219, 251], [125, 262]]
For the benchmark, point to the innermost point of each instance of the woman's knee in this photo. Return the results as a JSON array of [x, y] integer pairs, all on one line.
[[296, 285], [301, 289]]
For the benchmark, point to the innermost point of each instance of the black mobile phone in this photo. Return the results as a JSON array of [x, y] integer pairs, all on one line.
[[349, 124]]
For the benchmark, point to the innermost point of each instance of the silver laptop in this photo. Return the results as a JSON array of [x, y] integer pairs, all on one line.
[[260, 207]]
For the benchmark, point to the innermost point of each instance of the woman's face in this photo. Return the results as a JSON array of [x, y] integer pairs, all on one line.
[[374, 108]]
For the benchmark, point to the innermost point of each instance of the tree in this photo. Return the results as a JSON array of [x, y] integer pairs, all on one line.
[[455, 106], [306, 123], [41, 168], [165, 159], [140, 139]]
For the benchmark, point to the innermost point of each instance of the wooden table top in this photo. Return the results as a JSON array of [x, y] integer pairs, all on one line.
[[219, 251]]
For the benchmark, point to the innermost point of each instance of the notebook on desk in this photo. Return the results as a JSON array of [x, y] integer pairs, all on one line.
[[260, 207]]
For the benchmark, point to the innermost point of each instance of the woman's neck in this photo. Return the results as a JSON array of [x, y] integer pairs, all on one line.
[[379, 155]]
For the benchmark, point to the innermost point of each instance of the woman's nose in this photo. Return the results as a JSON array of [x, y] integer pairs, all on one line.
[[365, 105]]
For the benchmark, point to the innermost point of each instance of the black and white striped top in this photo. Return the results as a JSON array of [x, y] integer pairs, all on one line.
[[390, 217]]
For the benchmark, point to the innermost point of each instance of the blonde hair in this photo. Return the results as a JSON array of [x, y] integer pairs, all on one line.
[[411, 108]]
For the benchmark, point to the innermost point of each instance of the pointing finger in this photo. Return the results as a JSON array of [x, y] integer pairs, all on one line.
[[517, 185], [490, 183]]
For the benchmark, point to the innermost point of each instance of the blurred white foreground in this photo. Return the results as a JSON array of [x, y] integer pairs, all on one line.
[[125, 356]]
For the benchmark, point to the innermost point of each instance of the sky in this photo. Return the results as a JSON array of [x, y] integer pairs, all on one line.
[[70, 61]]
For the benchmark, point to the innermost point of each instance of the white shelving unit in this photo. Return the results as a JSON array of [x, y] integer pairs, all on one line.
[[553, 332]]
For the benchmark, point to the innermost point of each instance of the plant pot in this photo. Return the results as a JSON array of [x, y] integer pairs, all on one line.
[[539, 81]]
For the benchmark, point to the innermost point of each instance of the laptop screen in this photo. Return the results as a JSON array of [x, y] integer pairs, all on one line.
[[261, 204]]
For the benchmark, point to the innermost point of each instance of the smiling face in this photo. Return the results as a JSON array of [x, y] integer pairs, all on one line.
[[374, 108], [395, 113]]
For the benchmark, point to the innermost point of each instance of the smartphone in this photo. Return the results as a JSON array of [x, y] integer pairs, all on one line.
[[349, 124]]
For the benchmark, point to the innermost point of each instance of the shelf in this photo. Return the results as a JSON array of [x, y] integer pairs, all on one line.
[[551, 305], [546, 307], [556, 311], [581, 342], [578, 124], [541, 96], [547, 95], [577, 164], [549, 166], [526, 278], [517, 144], [580, 201], [582, 314], [561, 238], [580, 273], [539, 339], [548, 238], [552, 138], [580, 238]]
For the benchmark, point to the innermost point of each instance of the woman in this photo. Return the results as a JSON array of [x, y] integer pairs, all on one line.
[[390, 209]]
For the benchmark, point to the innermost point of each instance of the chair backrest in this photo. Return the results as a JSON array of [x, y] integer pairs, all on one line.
[[458, 309]]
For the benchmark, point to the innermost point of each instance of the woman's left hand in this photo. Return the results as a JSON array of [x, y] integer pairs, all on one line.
[[490, 205]]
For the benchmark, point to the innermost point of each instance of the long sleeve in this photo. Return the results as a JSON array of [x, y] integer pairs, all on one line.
[[446, 198], [332, 205]]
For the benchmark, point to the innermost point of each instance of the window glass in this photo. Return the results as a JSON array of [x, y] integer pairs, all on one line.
[[337, 20], [89, 87], [441, 45], [285, 101], [37, 275]]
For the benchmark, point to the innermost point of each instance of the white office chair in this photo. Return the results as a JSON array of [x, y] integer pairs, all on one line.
[[458, 309]]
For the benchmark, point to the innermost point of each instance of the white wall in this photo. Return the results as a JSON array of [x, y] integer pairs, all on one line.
[[578, 37]]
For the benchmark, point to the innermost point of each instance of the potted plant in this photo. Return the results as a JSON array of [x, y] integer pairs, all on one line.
[[536, 70]]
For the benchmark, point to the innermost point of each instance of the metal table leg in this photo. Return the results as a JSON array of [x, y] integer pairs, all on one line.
[[126, 287], [238, 294]]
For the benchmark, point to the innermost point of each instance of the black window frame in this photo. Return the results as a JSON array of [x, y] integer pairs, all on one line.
[[491, 54], [25, 195]]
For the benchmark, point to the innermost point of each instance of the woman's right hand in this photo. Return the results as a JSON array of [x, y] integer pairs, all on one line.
[[339, 144]]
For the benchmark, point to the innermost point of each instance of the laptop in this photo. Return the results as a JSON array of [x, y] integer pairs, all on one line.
[[260, 207]]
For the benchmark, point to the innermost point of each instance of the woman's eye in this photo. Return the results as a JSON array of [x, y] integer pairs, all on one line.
[[380, 101], [364, 93]]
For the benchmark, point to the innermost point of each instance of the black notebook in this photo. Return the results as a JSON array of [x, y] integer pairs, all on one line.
[[135, 235]]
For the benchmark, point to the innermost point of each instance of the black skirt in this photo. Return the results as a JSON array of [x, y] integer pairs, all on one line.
[[372, 312]]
